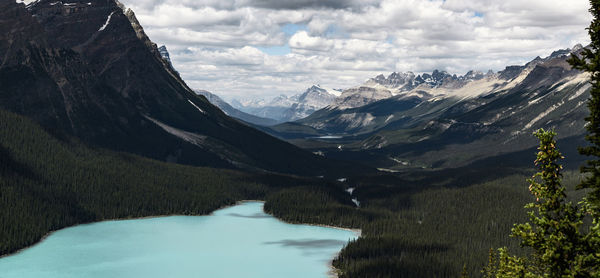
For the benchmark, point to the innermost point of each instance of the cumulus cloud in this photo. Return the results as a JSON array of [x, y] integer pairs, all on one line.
[[227, 46]]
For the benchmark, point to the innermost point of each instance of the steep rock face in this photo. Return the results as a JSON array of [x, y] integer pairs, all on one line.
[[164, 53], [87, 69]]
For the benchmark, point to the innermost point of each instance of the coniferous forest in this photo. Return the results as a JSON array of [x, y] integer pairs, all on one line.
[[49, 183]]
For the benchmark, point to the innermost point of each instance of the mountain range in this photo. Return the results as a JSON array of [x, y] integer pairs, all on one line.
[[407, 121], [89, 104], [235, 113], [285, 109], [87, 70], [382, 87]]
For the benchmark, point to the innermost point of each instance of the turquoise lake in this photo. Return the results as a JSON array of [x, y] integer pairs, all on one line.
[[238, 241]]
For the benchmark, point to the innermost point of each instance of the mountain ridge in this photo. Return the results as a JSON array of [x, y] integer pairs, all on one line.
[[94, 74], [428, 125]]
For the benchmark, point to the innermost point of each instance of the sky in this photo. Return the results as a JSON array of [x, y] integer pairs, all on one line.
[[252, 49]]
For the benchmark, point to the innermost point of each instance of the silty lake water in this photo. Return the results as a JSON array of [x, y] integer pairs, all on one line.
[[239, 241]]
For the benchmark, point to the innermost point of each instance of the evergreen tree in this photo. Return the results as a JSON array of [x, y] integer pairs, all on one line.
[[589, 61], [559, 245]]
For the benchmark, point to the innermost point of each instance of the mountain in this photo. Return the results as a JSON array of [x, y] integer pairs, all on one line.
[[164, 53], [235, 113], [86, 70], [284, 109], [428, 124], [382, 87]]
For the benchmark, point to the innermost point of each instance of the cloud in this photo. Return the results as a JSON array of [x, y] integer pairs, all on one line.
[[224, 45], [310, 4]]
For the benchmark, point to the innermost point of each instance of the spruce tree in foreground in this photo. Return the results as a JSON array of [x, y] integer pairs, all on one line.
[[589, 61], [559, 246]]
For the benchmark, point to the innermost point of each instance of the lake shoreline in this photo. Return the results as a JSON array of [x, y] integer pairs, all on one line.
[[333, 272]]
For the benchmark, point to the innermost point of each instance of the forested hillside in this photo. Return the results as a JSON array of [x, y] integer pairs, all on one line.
[[47, 184], [415, 230], [427, 224]]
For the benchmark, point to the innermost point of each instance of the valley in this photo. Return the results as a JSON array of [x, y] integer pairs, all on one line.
[[97, 124], [427, 125]]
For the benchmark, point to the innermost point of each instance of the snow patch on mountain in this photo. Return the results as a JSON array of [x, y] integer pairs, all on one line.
[[106, 23], [202, 111]]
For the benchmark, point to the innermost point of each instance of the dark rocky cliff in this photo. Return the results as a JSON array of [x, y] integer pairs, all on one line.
[[86, 69]]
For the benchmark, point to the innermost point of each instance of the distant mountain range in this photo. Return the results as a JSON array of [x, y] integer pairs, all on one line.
[[220, 103], [285, 109], [87, 70], [406, 120], [382, 87], [235, 113]]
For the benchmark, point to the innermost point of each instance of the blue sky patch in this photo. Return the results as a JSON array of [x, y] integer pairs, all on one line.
[[275, 50], [290, 28]]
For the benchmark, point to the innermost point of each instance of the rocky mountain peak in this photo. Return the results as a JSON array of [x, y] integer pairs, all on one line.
[[559, 53], [164, 53], [439, 75], [474, 75], [315, 88], [316, 96]]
